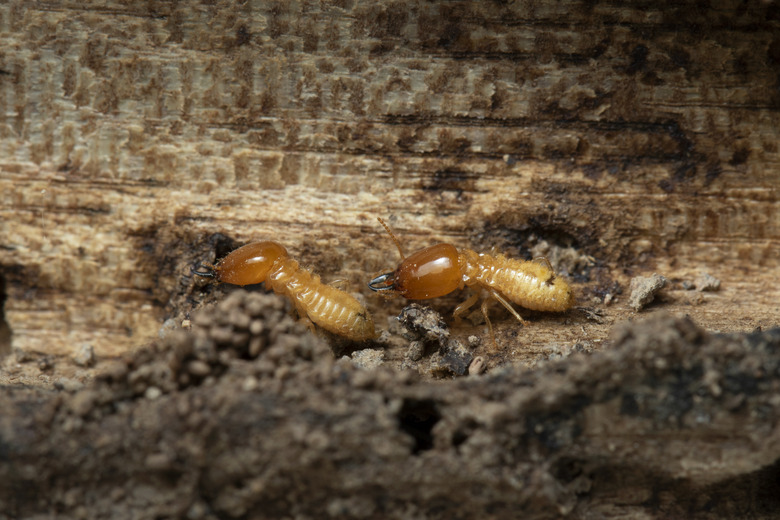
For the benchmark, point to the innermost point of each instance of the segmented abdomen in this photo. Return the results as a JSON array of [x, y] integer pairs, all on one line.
[[330, 308], [532, 285]]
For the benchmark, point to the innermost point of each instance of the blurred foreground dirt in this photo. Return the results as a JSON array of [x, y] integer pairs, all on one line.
[[248, 415]]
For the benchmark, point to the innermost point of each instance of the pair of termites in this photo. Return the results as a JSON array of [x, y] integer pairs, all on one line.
[[429, 273]]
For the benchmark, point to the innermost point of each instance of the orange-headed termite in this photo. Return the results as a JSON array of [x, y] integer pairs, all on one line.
[[440, 269], [332, 309]]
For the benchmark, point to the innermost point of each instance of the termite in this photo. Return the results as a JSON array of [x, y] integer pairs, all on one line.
[[326, 306], [442, 268]]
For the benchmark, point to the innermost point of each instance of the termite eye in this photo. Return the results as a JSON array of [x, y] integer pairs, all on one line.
[[429, 273], [249, 264]]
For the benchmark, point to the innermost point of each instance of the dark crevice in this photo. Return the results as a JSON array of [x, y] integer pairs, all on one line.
[[417, 418], [5, 329]]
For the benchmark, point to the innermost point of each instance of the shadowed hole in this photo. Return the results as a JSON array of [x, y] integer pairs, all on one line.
[[5, 329], [417, 418]]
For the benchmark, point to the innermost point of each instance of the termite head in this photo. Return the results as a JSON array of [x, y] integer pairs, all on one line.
[[428, 273], [246, 265]]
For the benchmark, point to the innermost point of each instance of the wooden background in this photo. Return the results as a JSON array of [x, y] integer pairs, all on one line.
[[645, 137]]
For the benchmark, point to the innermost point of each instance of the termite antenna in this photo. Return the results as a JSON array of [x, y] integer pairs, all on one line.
[[392, 235], [210, 270]]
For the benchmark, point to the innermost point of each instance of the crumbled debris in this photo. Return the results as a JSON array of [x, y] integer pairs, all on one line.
[[68, 384], [167, 327], [556, 351], [607, 293], [85, 357], [391, 340], [368, 358], [424, 324], [45, 363], [563, 259], [644, 289], [244, 327], [453, 359], [702, 282], [474, 341], [583, 347], [706, 282], [595, 315], [415, 351], [22, 356]]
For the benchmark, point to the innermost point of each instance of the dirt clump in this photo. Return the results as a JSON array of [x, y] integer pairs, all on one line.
[[248, 416]]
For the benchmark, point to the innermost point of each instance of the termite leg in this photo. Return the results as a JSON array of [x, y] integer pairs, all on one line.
[[341, 284], [484, 308], [508, 306], [463, 307], [392, 235], [309, 324], [303, 316], [543, 261]]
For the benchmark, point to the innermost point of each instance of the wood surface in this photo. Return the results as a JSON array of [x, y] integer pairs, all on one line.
[[643, 136]]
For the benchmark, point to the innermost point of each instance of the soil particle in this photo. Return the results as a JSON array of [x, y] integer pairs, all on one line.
[[423, 324], [644, 289], [567, 260], [415, 351], [452, 359], [706, 282], [85, 357], [67, 384], [368, 359]]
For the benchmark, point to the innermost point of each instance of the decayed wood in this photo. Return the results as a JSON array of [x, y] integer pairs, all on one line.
[[645, 137]]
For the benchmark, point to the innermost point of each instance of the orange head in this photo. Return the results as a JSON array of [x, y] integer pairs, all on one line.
[[428, 273], [249, 264]]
